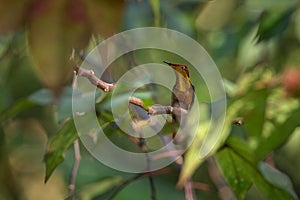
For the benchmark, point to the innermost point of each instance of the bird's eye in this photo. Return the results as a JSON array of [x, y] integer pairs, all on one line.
[[182, 67]]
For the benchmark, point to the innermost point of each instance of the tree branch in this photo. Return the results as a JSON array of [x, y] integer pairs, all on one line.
[[106, 87], [77, 156]]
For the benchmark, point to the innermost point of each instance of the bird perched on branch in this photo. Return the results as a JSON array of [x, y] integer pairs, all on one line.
[[183, 90]]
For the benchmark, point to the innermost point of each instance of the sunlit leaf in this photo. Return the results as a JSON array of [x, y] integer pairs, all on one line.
[[58, 145], [279, 135], [254, 113]]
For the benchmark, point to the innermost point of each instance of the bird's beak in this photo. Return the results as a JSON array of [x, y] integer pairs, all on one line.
[[170, 64]]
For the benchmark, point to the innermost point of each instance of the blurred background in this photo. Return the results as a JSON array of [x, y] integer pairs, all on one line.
[[255, 45]]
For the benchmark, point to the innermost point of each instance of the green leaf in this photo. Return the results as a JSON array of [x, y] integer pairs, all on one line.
[[279, 135], [254, 113], [242, 148], [58, 145], [277, 178], [274, 24], [234, 172], [239, 173]]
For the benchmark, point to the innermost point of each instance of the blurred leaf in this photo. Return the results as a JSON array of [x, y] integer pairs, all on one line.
[[274, 24], [215, 14], [277, 178], [47, 44], [180, 21], [137, 14], [230, 87], [90, 191], [189, 1], [64, 107], [42, 97], [239, 173], [156, 10], [12, 14], [77, 29], [15, 109], [58, 145], [269, 4], [100, 15], [54, 29]]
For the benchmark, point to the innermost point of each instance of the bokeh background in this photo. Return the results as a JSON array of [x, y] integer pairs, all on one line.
[[255, 45]]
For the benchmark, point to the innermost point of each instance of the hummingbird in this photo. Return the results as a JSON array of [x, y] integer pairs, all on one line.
[[183, 91]]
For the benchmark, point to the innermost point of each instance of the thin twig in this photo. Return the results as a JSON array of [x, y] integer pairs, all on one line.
[[201, 186], [143, 146], [188, 190], [188, 185], [171, 153], [123, 185], [75, 168], [76, 155], [136, 177], [90, 75]]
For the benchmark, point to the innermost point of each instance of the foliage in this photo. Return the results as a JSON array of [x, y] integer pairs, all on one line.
[[255, 45]]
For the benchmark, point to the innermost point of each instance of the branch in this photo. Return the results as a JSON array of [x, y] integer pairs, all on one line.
[[75, 169], [106, 87], [143, 146], [136, 177], [77, 156], [90, 75]]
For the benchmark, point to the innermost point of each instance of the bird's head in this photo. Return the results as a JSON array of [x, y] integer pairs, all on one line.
[[182, 69]]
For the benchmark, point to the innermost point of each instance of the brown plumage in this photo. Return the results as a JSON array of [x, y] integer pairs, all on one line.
[[183, 90]]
